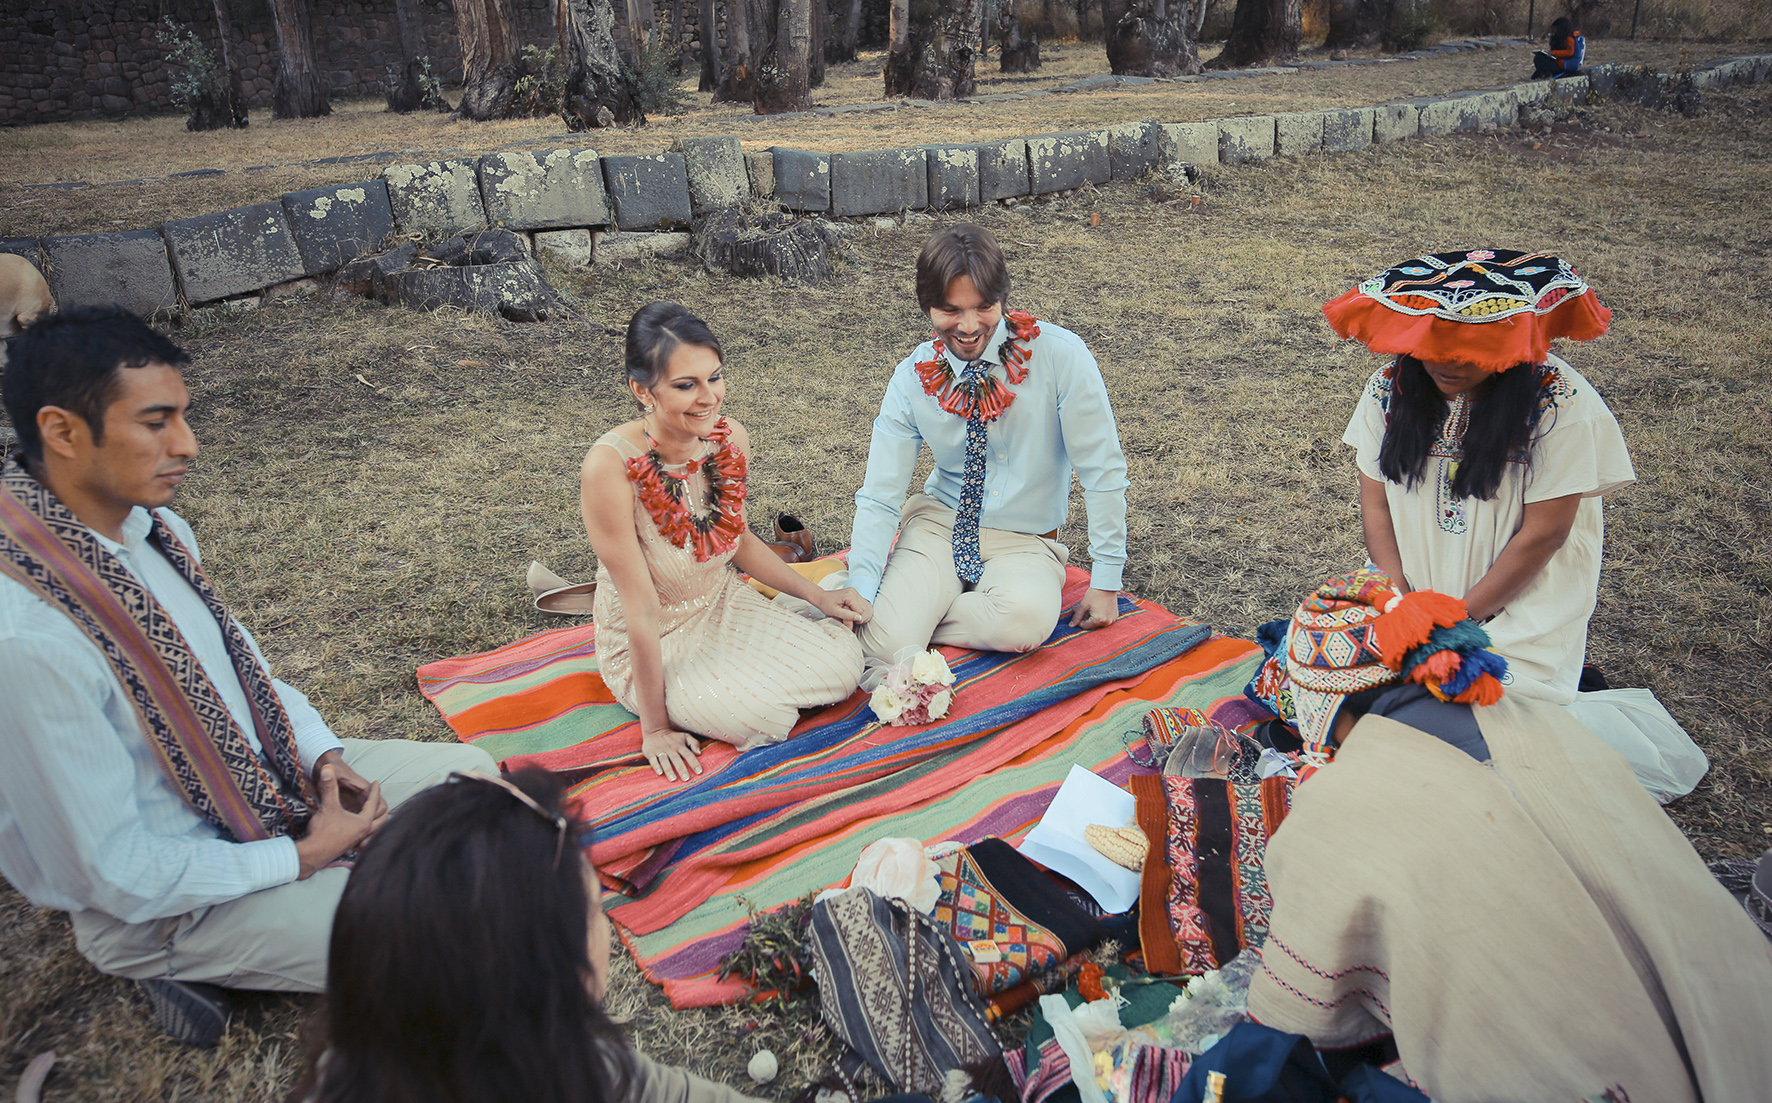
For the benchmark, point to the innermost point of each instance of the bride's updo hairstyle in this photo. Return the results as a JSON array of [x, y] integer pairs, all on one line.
[[655, 331]]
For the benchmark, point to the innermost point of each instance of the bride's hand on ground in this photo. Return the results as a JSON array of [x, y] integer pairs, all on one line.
[[671, 753], [845, 605]]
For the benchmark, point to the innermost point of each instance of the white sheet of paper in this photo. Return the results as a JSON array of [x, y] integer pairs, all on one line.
[[1057, 841]]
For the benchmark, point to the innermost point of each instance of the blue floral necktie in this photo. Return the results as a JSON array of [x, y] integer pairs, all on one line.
[[966, 559]]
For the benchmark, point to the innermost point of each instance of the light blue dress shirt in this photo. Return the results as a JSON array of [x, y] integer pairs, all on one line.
[[1060, 422], [88, 819]]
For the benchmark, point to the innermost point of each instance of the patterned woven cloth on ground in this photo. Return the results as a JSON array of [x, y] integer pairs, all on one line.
[[1005, 801], [1203, 896], [896, 988], [990, 892], [668, 846]]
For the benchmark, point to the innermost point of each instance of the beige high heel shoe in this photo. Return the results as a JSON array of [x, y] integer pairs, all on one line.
[[557, 596]]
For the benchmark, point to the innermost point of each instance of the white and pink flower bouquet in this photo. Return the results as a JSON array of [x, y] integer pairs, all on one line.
[[918, 689]]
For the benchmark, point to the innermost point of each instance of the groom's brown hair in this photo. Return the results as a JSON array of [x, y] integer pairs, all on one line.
[[963, 250]]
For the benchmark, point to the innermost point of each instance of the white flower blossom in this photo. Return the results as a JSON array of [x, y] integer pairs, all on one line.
[[939, 703], [887, 705], [930, 669]]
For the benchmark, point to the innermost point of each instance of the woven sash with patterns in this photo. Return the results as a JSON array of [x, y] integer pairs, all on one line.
[[201, 748]]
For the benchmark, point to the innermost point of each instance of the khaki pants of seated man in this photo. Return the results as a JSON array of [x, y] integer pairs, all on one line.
[[1013, 607], [274, 940]]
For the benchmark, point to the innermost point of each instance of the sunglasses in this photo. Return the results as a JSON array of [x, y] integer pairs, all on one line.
[[558, 823]]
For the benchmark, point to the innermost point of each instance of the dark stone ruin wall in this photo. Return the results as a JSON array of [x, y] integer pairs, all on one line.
[[62, 59]]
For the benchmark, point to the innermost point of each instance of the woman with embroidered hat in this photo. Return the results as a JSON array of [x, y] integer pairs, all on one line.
[[1483, 458], [1484, 884]]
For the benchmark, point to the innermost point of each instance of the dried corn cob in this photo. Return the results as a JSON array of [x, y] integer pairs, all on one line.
[[1124, 846]]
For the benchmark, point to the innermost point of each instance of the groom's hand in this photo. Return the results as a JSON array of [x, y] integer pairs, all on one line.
[[1098, 609]]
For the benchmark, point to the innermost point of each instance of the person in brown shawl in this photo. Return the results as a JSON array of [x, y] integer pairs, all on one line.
[[1490, 886]]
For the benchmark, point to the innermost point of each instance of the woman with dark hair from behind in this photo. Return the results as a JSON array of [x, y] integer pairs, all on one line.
[[1568, 49], [468, 962], [682, 641]]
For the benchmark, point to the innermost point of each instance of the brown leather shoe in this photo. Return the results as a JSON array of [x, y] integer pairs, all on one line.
[[787, 550], [789, 530]]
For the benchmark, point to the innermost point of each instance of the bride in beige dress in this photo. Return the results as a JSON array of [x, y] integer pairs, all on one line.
[[682, 640]]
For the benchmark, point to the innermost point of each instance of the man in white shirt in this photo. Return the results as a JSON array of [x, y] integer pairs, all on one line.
[[156, 783], [1009, 407]]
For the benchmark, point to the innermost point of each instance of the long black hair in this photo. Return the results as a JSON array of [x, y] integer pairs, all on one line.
[[1503, 413], [1561, 30], [459, 971]]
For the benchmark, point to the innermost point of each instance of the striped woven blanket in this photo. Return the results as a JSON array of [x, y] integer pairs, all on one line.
[[775, 823]]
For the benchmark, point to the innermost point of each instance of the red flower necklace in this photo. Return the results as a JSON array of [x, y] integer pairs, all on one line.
[[664, 494], [986, 398]]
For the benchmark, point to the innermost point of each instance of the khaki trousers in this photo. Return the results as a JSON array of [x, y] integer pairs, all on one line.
[[276, 939], [1013, 607]]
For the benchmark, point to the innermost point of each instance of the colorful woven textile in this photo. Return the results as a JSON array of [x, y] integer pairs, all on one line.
[[201, 748], [1204, 895], [895, 987], [669, 846], [1156, 1073], [1492, 308], [539, 698], [1005, 800], [990, 892], [1196, 744]]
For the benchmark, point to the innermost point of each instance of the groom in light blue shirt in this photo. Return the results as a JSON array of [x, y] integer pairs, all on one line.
[[1010, 407]]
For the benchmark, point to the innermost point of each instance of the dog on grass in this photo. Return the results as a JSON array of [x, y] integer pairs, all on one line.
[[24, 294]]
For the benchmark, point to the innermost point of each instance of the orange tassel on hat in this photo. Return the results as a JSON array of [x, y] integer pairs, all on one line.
[[1439, 667], [1486, 690], [1410, 619]]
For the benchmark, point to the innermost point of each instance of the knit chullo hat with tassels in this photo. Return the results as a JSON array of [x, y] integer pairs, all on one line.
[[1357, 632]]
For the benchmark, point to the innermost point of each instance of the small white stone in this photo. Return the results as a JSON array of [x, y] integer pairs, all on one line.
[[763, 1067]]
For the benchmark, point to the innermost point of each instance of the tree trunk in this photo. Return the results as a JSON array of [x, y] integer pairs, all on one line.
[[641, 26], [600, 89], [1357, 24], [821, 37], [1262, 32], [845, 36], [710, 49], [409, 91], [488, 59], [941, 43], [1154, 39], [1200, 18], [782, 80], [1017, 53], [739, 79], [677, 25], [225, 106], [299, 93]]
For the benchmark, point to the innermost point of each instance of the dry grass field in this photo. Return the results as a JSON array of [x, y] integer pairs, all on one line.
[[271, 157], [374, 481]]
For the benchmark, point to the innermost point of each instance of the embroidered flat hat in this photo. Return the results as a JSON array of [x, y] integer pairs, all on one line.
[[1356, 632], [1492, 308]]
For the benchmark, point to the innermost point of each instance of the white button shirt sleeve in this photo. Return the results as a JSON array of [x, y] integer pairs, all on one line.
[[1092, 442], [74, 831], [892, 459]]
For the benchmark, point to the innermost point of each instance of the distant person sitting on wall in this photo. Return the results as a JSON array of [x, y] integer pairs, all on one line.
[[1567, 50]]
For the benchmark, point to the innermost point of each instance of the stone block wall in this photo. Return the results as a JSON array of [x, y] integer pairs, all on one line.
[[62, 59], [580, 204]]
